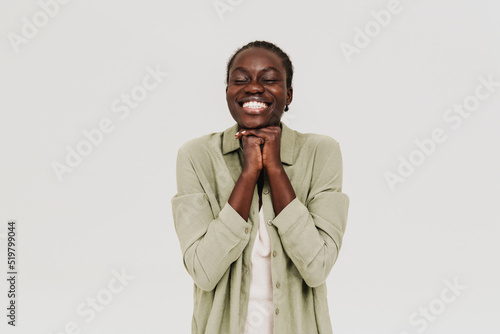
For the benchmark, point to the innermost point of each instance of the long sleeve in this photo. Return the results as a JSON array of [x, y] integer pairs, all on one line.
[[209, 244], [311, 232]]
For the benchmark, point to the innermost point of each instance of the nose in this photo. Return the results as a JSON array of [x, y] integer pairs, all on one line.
[[254, 87]]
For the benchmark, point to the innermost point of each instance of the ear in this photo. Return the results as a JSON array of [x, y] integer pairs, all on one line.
[[289, 95]]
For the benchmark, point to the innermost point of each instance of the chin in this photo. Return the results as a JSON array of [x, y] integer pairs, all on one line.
[[254, 124], [251, 125]]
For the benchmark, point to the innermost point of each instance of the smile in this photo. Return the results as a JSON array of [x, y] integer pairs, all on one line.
[[254, 107]]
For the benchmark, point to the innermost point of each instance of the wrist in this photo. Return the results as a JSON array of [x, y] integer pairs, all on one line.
[[250, 175], [274, 169]]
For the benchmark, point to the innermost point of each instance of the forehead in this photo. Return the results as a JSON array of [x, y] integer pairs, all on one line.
[[255, 59]]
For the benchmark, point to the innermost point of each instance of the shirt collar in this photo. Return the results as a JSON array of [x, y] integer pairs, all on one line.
[[230, 143]]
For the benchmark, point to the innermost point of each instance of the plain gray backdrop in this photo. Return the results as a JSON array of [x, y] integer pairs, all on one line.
[[410, 90]]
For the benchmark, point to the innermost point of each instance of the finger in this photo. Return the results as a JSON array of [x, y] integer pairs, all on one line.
[[241, 133], [253, 139], [262, 132]]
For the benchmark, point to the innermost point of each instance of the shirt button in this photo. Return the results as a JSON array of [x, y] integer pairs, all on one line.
[[277, 311], [269, 222], [246, 230], [275, 253], [266, 191], [278, 285], [246, 271]]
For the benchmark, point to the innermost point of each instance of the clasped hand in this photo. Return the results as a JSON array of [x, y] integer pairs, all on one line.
[[261, 148]]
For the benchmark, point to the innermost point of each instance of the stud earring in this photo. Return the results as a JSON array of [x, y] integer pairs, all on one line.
[[286, 107]]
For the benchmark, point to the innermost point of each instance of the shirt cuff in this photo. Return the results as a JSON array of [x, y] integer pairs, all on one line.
[[234, 222], [290, 215]]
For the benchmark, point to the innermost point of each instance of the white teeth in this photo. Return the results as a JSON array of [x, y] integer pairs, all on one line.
[[254, 105]]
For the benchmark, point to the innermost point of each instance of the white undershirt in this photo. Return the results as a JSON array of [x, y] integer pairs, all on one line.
[[260, 306]]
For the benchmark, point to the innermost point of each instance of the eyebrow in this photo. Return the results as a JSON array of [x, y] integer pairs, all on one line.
[[266, 69]]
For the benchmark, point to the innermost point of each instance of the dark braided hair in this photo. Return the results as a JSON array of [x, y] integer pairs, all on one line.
[[287, 63]]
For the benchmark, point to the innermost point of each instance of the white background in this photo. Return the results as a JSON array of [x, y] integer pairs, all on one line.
[[112, 212]]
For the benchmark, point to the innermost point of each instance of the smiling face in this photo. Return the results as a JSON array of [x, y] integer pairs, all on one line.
[[256, 93]]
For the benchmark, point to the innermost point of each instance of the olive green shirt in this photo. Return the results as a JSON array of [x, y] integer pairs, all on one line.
[[216, 242]]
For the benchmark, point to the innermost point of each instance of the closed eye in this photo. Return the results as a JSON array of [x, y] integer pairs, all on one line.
[[270, 79]]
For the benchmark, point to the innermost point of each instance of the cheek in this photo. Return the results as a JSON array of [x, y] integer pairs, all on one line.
[[232, 90], [279, 93]]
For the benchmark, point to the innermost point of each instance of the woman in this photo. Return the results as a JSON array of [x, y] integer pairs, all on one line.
[[259, 209]]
